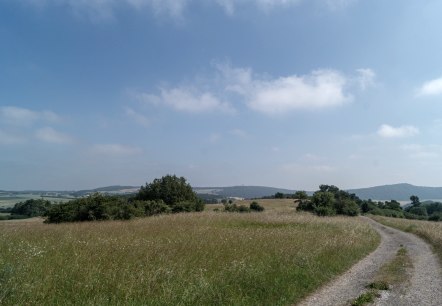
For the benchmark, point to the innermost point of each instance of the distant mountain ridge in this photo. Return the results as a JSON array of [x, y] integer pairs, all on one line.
[[399, 192], [247, 192]]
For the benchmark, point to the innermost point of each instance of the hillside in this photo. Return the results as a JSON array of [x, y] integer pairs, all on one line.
[[399, 192], [247, 192]]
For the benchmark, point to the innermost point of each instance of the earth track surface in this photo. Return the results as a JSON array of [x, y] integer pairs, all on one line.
[[424, 286]]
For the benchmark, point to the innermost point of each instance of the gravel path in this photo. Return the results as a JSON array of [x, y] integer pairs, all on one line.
[[424, 287]]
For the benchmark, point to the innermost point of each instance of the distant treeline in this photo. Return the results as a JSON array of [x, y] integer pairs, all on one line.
[[170, 194], [330, 200]]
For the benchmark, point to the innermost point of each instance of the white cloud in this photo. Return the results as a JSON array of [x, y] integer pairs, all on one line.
[[321, 89], [317, 90], [388, 131], [431, 88], [366, 78], [137, 117], [48, 134], [338, 4], [115, 150], [13, 115], [189, 100]]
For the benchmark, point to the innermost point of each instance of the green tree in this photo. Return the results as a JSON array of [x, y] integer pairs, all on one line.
[[415, 200], [173, 191], [279, 195]]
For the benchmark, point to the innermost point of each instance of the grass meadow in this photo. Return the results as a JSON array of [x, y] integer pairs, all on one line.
[[430, 231], [209, 258]]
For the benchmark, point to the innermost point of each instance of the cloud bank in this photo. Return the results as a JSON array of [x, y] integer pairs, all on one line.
[[388, 131], [320, 89]]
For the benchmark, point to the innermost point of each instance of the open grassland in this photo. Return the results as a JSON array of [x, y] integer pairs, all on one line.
[[185, 259], [430, 231]]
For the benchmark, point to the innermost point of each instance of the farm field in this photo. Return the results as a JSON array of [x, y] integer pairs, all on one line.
[[276, 257], [430, 231], [7, 200]]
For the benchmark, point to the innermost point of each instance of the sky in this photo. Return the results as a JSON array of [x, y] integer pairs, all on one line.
[[282, 93]]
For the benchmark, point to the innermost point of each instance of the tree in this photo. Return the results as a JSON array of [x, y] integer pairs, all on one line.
[[173, 191], [279, 195], [415, 200], [300, 195]]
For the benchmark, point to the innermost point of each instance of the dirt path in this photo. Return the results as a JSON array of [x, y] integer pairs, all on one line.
[[424, 287]]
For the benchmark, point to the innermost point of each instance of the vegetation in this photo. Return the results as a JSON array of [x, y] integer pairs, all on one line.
[[233, 207], [178, 259], [430, 231], [330, 201], [391, 273], [168, 194]]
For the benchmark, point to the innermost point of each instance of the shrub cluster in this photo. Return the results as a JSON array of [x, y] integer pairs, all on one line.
[[254, 206], [330, 201], [169, 194]]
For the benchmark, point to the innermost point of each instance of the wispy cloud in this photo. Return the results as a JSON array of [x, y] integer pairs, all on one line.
[[321, 89], [137, 117], [239, 133], [388, 131], [13, 115], [115, 150], [188, 99], [105, 10], [366, 78], [49, 135], [431, 88]]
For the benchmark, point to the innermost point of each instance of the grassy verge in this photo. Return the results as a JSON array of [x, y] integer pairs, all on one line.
[[430, 231], [185, 259], [392, 273]]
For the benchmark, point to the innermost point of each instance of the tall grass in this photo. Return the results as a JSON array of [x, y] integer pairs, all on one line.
[[430, 231], [186, 259]]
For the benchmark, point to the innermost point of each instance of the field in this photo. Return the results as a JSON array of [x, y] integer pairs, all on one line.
[[210, 258], [430, 231], [9, 200]]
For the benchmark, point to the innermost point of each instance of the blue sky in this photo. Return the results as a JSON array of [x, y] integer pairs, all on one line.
[[285, 93]]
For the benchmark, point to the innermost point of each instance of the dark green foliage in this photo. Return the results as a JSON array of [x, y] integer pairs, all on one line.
[[387, 213], [279, 195], [395, 205], [409, 215], [415, 200], [300, 195], [236, 208], [329, 201], [324, 211], [98, 207], [170, 188], [256, 207], [418, 210], [31, 208], [437, 216]]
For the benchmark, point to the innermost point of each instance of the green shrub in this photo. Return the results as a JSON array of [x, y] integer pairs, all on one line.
[[435, 216], [256, 207], [325, 211]]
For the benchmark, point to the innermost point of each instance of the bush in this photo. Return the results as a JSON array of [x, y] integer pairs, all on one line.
[[325, 211], [236, 208], [255, 206], [409, 215], [31, 208], [418, 210], [387, 213], [435, 217]]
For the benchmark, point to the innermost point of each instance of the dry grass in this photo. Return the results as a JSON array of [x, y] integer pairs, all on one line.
[[186, 259], [430, 231]]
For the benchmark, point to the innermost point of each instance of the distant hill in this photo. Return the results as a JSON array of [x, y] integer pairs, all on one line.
[[399, 192], [117, 189], [240, 191]]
